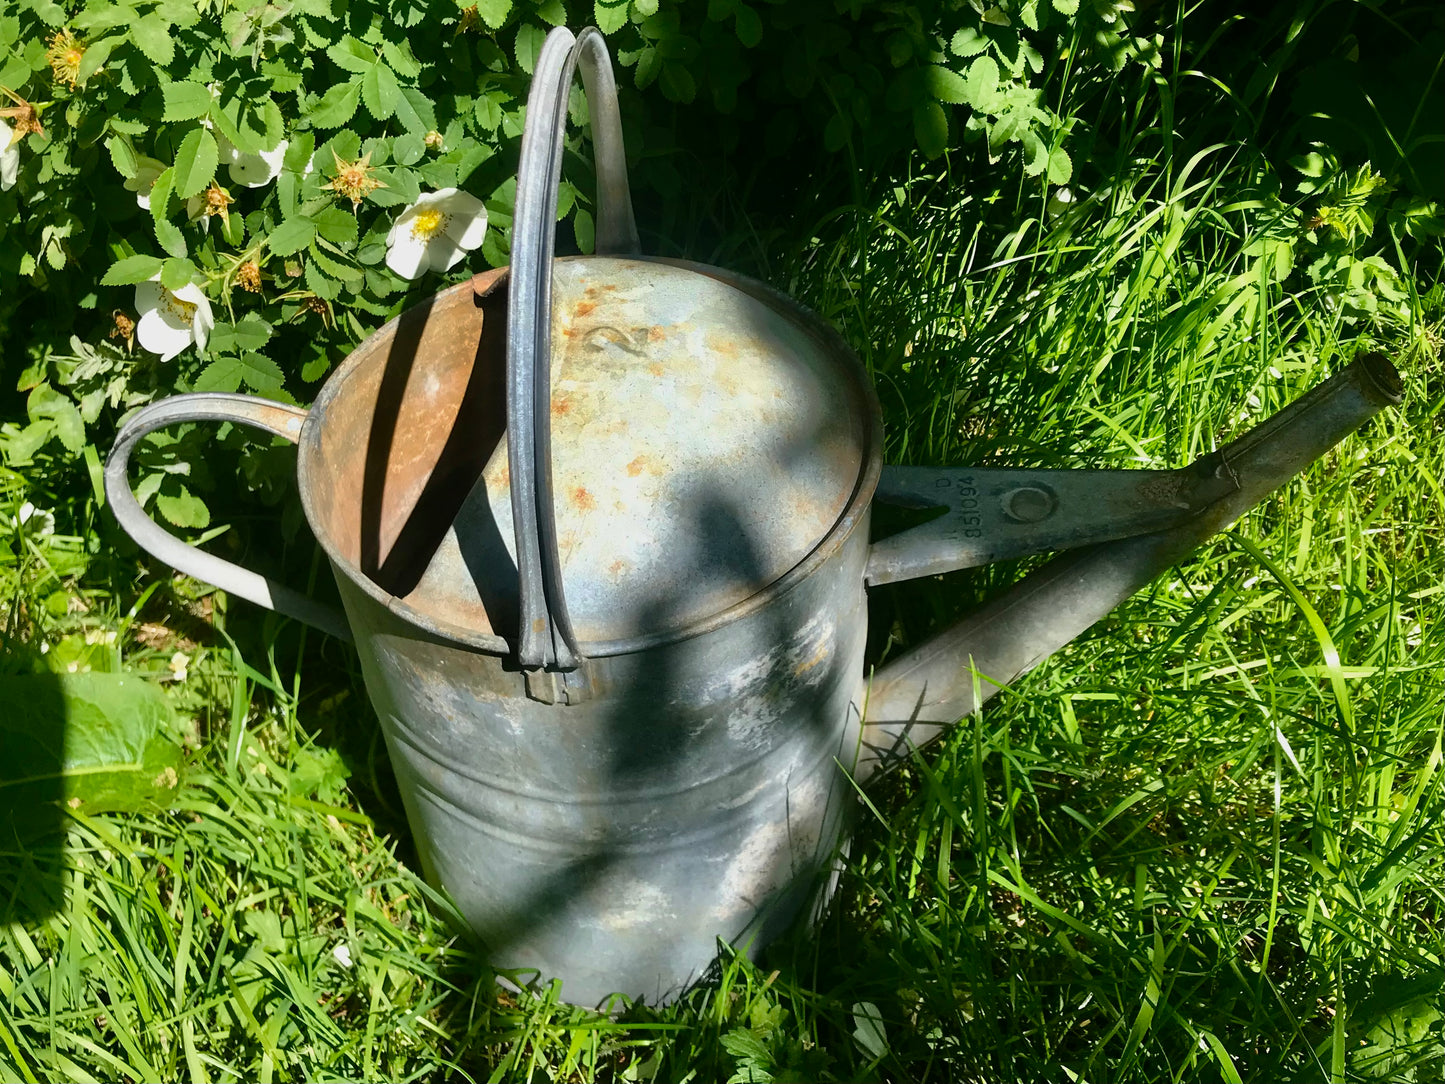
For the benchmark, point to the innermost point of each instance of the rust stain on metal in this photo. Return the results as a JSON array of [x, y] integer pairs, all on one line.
[[723, 346], [582, 500], [817, 657], [584, 307], [561, 405], [656, 369], [655, 334], [618, 567], [642, 463]]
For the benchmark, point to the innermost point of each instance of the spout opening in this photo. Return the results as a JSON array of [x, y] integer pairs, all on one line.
[[1383, 379]]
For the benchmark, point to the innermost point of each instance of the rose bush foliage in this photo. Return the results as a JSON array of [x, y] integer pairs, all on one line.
[[212, 195]]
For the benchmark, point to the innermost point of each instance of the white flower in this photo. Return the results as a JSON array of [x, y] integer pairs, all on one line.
[[435, 232], [252, 170], [9, 156], [171, 320], [147, 171], [342, 954], [35, 521], [179, 666]]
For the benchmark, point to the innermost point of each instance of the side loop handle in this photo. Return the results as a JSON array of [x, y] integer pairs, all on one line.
[[546, 638], [278, 418]]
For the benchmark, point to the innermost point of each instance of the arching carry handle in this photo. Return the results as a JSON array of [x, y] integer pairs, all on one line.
[[278, 418], [546, 637]]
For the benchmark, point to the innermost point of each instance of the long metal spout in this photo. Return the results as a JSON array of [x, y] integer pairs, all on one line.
[[917, 697]]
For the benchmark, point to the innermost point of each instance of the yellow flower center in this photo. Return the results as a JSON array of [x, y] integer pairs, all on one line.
[[427, 223], [181, 310]]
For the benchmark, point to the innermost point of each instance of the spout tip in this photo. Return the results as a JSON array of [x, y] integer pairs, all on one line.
[[1381, 377]]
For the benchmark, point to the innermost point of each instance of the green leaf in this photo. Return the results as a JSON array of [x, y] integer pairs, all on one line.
[[415, 111], [291, 236], [1066, 7], [337, 225], [176, 273], [748, 25], [610, 17], [337, 105], [47, 403], [248, 333], [585, 230], [402, 60], [351, 55], [130, 270], [380, 91], [260, 373], [152, 36], [677, 82], [94, 741], [488, 111], [1061, 166], [196, 162], [185, 101], [223, 375], [122, 156], [930, 128], [408, 148], [494, 12], [96, 54], [981, 90], [183, 508], [170, 238], [529, 45], [945, 85]]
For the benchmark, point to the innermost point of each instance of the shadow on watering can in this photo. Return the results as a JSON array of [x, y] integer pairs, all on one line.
[[602, 539]]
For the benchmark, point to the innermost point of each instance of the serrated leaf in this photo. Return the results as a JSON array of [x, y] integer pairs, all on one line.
[[494, 12], [152, 36], [408, 148], [122, 156], [1061, 166], [96, 54], [337, 105], [291, 236], [1066, 7], [677, 83], [415, 111], [345, 273], [584, 230], [945, 85], [402, 60], [352, 55], [337, 225], [130, 270], [930, 128], [610, 17], [380, 91], [176, 273], [223, 375], [183, 508], [488, 111], [248, 333], [196, 163], [185, 101], [170, 238], [529, 46], [319, 284], [981, 89], [260, 373]]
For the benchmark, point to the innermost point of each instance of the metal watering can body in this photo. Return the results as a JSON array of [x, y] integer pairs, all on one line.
[[620, 672]]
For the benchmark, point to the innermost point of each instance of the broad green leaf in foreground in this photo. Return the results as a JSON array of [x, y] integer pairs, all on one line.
[[95, 742]]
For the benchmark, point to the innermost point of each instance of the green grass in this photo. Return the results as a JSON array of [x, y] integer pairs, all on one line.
[[1203, 843]]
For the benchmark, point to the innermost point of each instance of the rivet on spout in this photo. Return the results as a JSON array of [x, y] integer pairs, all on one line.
[[1029, 504]]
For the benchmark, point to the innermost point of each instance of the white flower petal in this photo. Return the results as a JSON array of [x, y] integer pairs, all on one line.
[[408, 256], [156, 332], [256, 170], [444, 252], [468, 232], [148, 294], [9, 156]]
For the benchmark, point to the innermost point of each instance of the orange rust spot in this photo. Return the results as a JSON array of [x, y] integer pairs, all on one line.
[[504, 477], [808, 664], [655, 334], [637, 466], [583, 500], [584, 307], [655, 369], [722, 346], [539, 625], [610, 286], [561, 405], [619, 566]]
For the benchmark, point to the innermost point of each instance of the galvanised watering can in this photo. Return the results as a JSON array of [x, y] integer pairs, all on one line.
[[602, 539]]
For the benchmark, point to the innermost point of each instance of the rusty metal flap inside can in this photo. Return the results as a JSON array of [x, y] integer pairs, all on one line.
[[705, 438]]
